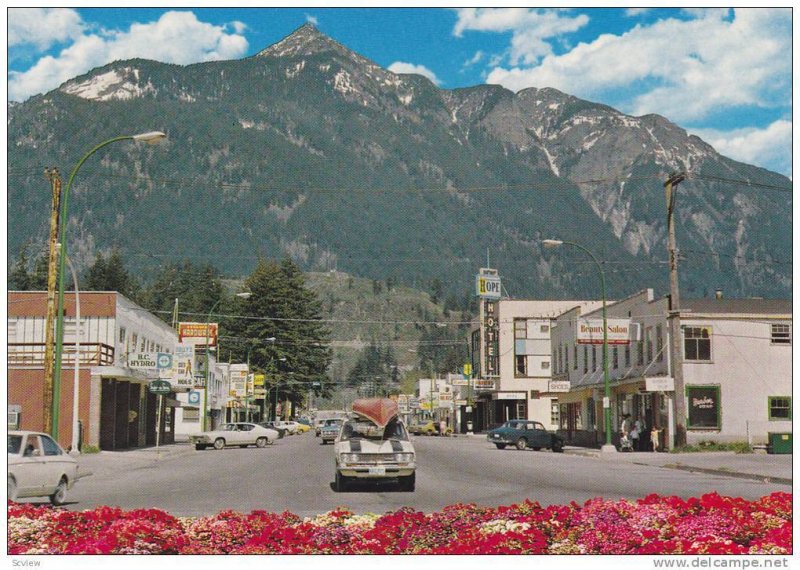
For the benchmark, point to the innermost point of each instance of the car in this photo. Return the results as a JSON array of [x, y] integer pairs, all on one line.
[[318, 426], [237, 433], [364, 451], [330, 430], [428, 427], [39, 467], [282, 431], [523, 434], [303, 427], [291, 427]]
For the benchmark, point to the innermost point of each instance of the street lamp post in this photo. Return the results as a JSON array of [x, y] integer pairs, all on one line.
[[244, 295], [609, 446], [151, 137], [75, 444]]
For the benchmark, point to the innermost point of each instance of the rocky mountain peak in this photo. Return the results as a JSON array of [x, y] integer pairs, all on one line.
[[306, 40]]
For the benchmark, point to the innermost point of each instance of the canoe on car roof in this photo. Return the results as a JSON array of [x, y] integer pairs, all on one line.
[[379, 411]]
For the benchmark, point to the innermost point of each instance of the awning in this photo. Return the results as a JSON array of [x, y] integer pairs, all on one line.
[[170, 403]]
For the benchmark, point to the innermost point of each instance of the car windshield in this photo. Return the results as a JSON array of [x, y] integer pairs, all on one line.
[[14, 443], [358, 429], [334, 423], [513, 425]]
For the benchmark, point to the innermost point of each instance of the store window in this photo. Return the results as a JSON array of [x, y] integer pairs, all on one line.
[[704, 406], [781, 334], [780, 408], [697, 343], [591, 417], [615, 358], [554, 415]]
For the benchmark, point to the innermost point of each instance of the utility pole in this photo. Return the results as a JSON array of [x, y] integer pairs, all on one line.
[[49, 335], [670, 188]]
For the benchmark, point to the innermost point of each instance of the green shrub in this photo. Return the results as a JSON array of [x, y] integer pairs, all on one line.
[[86, 448], [735, 446]]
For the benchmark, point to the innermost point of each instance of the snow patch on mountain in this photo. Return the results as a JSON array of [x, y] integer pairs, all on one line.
[[115, 84]]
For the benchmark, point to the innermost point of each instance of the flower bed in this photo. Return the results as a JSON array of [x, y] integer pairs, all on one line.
[[711, 524]]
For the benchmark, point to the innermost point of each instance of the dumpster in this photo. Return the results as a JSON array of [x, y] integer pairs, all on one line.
[[779, 443]]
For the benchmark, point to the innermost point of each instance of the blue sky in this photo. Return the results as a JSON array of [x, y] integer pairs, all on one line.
[[724, 74]]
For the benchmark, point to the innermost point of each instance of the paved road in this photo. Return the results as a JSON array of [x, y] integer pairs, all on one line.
[[296, 474]]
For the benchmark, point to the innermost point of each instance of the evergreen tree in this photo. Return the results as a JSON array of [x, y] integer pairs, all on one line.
[[96, 274], [41, 267], [197, 287], [18, 278], [110, 275]]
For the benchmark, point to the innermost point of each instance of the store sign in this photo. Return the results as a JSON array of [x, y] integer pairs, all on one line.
[[480, 384], [198, 333], [143, 361], [659, 383], [238, 383], [160, 387], [488, 287], [182, 360], [590, 331], [558, 386], [509, 396], [413, 402], [703, 406]]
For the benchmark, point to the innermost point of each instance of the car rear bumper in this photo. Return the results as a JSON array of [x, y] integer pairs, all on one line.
[[389, 473]]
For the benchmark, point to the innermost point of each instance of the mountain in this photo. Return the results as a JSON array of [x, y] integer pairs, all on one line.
[[311, 150]]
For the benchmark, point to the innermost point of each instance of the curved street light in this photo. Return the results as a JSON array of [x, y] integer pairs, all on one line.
[[150, 138], [608, 447]]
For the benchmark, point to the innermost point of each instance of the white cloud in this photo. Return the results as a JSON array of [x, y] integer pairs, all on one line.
[[177, 37], [770, 147], [530, 28], [477, 58], [634, 12], [312, 19], [42, 27], [696, 67], [403, 67]]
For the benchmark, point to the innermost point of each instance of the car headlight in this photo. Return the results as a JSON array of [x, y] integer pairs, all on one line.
[[404, 457], [349, 457]]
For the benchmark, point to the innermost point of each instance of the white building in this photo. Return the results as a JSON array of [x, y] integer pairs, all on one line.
[[735, 362], [512, 360]]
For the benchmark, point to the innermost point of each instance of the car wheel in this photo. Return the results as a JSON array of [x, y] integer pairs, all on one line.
[[219, 443], [500, 445], [200, 446], [408, 483], [12, 489], [340, 484], [558, 447], [60, 494], [522, 443], [262, 442]]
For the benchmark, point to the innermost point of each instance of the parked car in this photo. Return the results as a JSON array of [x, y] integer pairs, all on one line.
[[428, 427], [303, 427], [330, 429], [523, 434], [39, 467], [282, 431], [364, 451], [238, 433], [291, 427]]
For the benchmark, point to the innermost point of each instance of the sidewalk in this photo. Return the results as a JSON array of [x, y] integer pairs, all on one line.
[[109, 462], [756, 466]]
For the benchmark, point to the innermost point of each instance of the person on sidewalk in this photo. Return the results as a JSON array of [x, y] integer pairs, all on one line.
[[654, 439], [634, 435]]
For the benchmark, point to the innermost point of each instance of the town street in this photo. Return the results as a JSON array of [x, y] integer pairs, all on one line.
[[296, 474]]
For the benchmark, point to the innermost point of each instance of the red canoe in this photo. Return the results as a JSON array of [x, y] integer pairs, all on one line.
[[379, 411]]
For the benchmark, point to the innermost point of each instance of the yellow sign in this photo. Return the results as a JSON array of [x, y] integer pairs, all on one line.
[[258, 379], [468, 370]]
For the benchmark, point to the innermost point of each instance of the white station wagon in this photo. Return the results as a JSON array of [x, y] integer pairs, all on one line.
[[38, 467], [238, 433]]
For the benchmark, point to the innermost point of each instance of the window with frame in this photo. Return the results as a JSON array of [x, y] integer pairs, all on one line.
[[594, 359], [566, 359], [575, 356], [522, 367], [649, 344], [780, 408], [545, 365], [697, 343], [640, 352], [191, 414], [520, 328], [554, 415], [615, 357], [560, 359], [122, 334], [591, 417], [781, 333], [628, 355], [585, 359], [659, 344]]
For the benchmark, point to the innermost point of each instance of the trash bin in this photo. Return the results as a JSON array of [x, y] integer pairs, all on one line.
[[779, 443], [469, 426]]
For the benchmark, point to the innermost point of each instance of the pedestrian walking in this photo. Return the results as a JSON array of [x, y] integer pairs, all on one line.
[[634, 435], [654, 431]]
